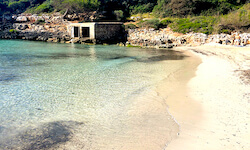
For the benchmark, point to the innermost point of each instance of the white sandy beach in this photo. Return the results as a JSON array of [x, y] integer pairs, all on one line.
[[213, 109]]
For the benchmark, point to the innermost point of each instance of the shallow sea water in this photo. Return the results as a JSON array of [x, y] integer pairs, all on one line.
[[69, 96]]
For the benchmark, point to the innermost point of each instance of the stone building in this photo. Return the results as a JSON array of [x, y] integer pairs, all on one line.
[[97, 32]]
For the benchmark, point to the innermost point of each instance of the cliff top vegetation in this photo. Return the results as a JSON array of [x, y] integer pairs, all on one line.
[[205, 16]]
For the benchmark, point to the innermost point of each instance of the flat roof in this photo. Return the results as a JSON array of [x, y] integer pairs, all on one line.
[[101, 23]]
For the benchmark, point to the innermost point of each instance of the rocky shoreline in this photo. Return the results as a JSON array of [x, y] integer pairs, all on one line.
[[48, 28], [166, 38], [53, 28]]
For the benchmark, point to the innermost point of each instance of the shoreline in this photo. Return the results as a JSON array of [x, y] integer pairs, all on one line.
[[175, 93], [196, 87], [213, 112]]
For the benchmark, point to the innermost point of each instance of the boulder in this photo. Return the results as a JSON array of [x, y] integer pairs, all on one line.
[[22, 19], [22, 27], [50, 40]]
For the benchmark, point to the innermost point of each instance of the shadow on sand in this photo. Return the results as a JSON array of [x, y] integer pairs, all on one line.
[[45, 136]]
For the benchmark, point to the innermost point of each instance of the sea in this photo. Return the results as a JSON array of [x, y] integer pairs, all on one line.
[[73, 96]]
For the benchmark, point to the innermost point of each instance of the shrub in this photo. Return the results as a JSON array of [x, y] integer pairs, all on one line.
[[142, 8], [162, 9], [196, 24], [75, 6], [130, 26], [44, 7], [239, 20], [225, 31], [18, 5], [165, 22], [153, 23], [12, 31], [119, 15]]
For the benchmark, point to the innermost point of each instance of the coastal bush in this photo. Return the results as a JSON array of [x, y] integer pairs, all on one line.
[[144, 8], [44, 7], [152, 23], [200, 24], [237, 20], [119, 15], [76, 6], [165, 22], [12, 31], [162, 9], [226, 31], [130, 26], [183, 8], [18, 6]]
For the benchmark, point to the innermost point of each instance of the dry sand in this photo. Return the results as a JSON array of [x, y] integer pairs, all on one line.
[[213, 107]]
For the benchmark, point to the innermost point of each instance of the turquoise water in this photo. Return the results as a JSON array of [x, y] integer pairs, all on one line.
[[69, 96]]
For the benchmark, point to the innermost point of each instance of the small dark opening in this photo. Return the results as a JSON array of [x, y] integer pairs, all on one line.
[[76, 31], [85, 31]]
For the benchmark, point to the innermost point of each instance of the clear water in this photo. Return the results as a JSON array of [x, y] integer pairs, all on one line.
[[66, 96]]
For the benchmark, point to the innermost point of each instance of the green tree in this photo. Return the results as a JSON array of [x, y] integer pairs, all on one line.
[[76, 6]]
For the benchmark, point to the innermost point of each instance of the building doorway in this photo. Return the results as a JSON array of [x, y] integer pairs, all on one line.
[[85, 31], [76, 31]]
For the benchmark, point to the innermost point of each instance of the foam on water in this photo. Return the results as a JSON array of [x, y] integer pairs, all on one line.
[[83, 97]]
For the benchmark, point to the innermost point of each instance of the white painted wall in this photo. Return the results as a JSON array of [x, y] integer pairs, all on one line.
[[80, 25]]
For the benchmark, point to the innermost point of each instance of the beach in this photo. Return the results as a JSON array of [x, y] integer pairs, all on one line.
[[62, 96], [213, 108], [72, 96]]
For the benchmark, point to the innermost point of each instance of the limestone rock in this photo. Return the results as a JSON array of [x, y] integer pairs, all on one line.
[[22, 19]]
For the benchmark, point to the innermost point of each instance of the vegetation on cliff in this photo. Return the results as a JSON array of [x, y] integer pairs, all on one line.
[[204, 16], [160, 8]]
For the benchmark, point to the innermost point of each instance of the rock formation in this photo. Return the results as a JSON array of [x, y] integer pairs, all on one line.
[[152, 38]]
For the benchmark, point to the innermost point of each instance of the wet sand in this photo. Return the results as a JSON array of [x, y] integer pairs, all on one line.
[[213, 108]]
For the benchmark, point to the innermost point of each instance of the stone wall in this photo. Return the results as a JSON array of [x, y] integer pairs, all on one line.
[[109, 33]]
